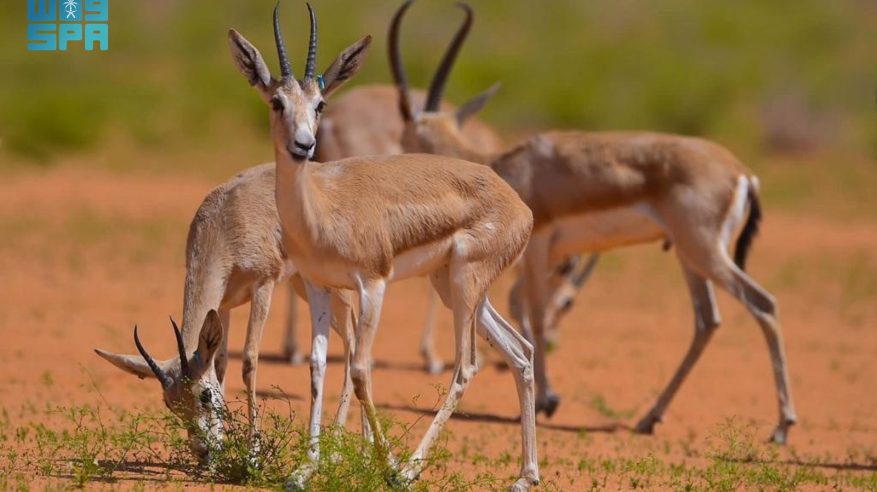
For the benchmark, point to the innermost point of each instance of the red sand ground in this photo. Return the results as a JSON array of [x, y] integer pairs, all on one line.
[[86, 254]]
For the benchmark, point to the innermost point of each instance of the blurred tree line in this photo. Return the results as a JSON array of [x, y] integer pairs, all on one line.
[[778, 75]]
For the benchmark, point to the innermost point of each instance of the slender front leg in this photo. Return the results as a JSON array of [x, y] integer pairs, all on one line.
[[260, 302], [371, 299], [343, 321], [536, 281], [321, 317], [706, 320]]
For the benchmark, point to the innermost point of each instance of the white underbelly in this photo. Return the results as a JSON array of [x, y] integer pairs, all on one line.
[[414, 262], [604, 230], [421, 260]]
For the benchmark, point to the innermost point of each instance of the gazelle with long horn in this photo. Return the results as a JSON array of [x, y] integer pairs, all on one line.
[[363, 222], [233, 256], [595, 191], [365, 121]]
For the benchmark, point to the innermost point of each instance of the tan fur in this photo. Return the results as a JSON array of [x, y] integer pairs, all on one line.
[[362, 212], [348, 224], [365, 121], [233, 256], [686, 185]]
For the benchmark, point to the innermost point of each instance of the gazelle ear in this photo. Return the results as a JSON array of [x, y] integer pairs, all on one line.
[[476, 104], [210, 338], [132, 364], [249, 61], [345, 66]]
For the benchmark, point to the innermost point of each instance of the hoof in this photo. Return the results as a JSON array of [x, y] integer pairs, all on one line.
[[400, 480], [523, 484], [299, 479], [549, 406], [781, 434], [646, 425], [294, 486]]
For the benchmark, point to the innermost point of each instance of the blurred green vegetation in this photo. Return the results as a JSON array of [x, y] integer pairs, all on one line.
[[752, 74]]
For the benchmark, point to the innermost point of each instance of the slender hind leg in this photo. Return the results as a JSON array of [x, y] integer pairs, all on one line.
[[518, 354], [762, 306], [291, 351], [260, 302], [434, 363], [343, 320], [706, 320], [466, 294], [709, 258]]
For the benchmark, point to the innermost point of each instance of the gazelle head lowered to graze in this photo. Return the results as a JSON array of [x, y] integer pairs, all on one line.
[[190, 388], [296, 104], [233, 257]]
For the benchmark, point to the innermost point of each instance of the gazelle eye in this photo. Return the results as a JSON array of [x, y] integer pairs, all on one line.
[[276, 104], [321, 107]]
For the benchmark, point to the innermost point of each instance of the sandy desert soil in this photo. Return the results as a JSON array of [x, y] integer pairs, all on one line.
[[86, 254]]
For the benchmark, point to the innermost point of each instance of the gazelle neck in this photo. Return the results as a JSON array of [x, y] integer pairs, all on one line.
[[206, 279], [297, 196], [450, 142]]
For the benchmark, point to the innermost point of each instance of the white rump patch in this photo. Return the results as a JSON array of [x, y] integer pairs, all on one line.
[[735, 213]]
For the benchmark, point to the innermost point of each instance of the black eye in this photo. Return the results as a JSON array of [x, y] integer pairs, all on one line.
[[321, 107], [206, 398], [276, 104]]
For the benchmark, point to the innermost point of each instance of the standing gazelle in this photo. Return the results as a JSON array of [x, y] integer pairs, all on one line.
[[363, 222], [603, 190], [365, 121], [233, 256]]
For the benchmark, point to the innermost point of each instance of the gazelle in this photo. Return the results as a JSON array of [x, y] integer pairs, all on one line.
[[603, 190], [363, 222], [233, 255], [365, 121]]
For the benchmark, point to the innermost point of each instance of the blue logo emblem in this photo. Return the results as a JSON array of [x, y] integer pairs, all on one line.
[[55, 25]]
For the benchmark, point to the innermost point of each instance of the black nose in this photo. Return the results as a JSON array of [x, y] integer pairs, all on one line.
[[305, 146]]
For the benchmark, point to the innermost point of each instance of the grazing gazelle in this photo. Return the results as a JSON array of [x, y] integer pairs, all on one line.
[[363, 222], [233, 256], [603, 190]]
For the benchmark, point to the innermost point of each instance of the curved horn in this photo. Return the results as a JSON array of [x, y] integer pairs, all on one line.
[[312, 46], [285, 69], [396, 62], [437, 86], [163, 378], [181, 348]]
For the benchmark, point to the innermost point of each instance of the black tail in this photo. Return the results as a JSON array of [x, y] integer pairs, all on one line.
[[750, 230]]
